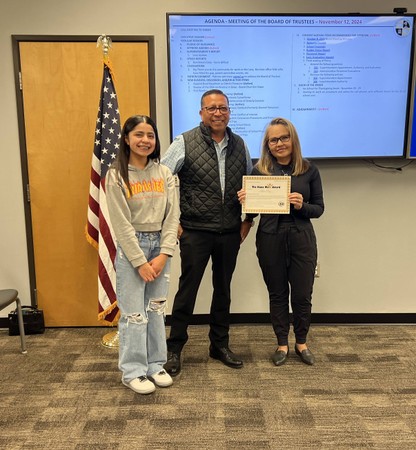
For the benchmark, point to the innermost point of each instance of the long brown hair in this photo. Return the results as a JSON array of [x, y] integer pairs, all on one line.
[[265, 163], [122, 159]]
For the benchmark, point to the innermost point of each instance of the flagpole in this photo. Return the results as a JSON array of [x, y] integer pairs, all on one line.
[[111, 339], [105, 42]]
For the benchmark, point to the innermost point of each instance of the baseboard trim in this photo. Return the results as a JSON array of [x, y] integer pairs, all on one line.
[[317, 319]]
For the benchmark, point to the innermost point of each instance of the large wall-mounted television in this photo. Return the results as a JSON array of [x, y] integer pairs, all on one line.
[[343, 80]]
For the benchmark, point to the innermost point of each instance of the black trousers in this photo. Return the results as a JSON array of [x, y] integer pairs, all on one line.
[[197, 247], [288, 260]]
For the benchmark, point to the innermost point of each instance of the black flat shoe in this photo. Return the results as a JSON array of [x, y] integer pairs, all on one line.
[[226, 356], [173, 364], [306, 356], [279, 357]]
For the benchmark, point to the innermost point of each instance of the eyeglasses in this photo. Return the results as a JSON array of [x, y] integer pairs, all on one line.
[[213, 109], [282, 139]]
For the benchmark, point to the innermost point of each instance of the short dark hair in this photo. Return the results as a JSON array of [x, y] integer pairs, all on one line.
[[211, 92]]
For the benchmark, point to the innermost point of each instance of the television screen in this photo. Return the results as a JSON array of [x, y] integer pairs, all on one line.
[[343, 80]]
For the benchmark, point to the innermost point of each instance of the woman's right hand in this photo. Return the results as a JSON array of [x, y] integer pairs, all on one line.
[[241, 194]]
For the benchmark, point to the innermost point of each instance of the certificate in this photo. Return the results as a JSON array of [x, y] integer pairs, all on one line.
[[267, 194]]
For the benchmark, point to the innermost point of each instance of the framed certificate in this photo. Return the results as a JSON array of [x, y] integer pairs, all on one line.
[[266, 194]]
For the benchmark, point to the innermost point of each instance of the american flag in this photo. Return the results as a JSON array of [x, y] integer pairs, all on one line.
[[99, 231]]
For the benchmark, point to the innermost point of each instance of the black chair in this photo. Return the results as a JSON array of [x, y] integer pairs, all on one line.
[[7, 297]]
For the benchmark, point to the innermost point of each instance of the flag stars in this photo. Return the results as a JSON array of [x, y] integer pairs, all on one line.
[[108, 133]]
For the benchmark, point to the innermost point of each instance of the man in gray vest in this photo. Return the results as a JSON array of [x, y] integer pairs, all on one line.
[[210, 161]]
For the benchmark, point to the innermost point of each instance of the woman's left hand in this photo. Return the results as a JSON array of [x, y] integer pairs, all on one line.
[[296, 199]]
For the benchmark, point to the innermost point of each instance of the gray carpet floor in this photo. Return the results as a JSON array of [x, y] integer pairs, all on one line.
[[66, 393]]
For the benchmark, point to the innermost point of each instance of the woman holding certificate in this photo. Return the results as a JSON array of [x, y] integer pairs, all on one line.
[[286, 243]]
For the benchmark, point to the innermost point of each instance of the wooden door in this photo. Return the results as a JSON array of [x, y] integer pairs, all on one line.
[[61, 84]]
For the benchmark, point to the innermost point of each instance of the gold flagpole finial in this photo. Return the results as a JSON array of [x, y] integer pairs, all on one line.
[[105, 42]]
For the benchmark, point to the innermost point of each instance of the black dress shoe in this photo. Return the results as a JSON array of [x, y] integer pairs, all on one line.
[[173, 364], [279, 357], [306, 356], [226, 356]]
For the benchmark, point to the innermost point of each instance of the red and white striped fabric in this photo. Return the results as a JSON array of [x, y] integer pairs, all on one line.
[[99, 231]]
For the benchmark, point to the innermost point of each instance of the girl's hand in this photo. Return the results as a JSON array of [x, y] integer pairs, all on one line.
[[158, 263], [147, 272]]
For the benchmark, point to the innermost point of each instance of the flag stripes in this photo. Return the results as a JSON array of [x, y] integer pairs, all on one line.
[[99, 231]]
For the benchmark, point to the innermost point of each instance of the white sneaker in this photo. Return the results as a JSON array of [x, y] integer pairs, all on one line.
[[141, 385], [161, 379]]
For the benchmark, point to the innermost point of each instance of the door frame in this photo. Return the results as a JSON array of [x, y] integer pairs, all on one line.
[[16, 40]]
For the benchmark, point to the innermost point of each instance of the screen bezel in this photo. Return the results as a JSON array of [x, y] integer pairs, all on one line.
[[411, 88]]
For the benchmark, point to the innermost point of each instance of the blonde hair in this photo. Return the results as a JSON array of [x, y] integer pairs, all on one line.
[[265, 163]]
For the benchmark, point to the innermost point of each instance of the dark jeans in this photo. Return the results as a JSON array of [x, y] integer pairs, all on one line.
[[288, 260], [197, 247]]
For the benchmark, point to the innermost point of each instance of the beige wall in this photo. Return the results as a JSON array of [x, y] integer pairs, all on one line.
[[367, 236]]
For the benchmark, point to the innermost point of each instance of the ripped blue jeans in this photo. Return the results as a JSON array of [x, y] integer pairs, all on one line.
[[142, 337]]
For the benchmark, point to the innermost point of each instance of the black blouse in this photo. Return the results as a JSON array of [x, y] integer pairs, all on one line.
[[309, 185]]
